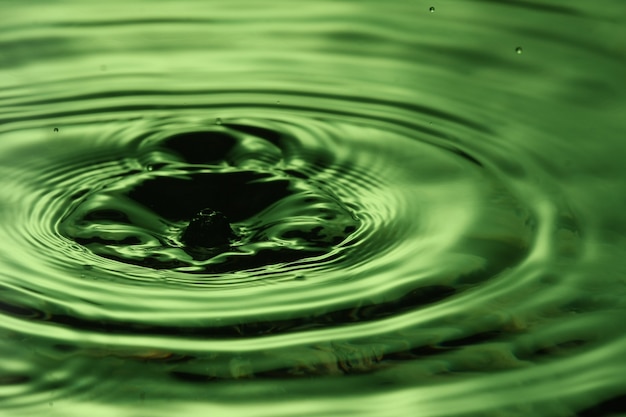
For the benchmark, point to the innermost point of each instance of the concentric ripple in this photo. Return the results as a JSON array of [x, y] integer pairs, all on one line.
[[249, 211], [277, 216]]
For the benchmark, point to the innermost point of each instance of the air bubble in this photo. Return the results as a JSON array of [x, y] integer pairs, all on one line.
[[519, 50], [432, 9]]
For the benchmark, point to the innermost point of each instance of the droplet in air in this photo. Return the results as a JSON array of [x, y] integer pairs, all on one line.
[[218, 121], [432, 9], [519, 50], [155, 166], [56, 129]]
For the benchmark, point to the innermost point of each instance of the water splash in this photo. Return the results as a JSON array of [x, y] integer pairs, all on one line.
[[397, 237]]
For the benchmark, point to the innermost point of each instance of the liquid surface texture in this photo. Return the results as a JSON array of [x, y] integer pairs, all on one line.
[[313, 208]]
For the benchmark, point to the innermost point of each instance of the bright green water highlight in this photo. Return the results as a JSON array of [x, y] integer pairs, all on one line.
[[427, 208]]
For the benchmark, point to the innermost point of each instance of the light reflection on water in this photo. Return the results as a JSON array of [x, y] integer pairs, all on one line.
[[426, 208]]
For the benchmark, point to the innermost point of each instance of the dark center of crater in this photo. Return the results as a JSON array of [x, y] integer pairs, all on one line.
[[208, 229]]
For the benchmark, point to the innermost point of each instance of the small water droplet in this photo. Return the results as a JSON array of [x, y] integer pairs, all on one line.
[[432, 9], [208, 229], [155, 166], [300, 277], [56, 129], [277, 101], [218, 121], [519, 50]]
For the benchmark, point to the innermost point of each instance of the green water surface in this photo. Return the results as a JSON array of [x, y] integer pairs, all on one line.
[[425, 203]]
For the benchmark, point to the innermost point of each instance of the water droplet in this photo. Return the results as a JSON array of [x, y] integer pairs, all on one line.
[[208, 228], [56, 129], [155, 166], [300, 277], [277, 101], [432, 9], [519, 50], [218, 121]]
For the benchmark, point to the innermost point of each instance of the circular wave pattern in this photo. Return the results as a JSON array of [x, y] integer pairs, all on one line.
[[278, 216], [317, 245], [306, 197], [320, 210]]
